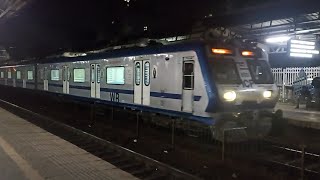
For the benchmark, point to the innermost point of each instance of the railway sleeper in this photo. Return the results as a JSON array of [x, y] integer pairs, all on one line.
[[314, 166], [143, 172], [110, 157], [131, 166], [123, 160], [92, 147], [102, 151], [157, 176]]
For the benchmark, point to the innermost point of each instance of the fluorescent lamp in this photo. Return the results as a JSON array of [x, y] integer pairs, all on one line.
[[304, 51], [303, 42], [279, 39], [301, 55], [298, 46]]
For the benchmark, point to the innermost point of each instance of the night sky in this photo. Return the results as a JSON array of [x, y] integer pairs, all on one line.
[[49, 26], [44, 26]]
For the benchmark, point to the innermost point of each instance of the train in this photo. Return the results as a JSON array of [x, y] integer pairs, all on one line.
[[219, 84]]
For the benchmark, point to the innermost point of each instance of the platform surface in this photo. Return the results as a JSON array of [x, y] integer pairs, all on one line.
[[29, 152], [300, 117]]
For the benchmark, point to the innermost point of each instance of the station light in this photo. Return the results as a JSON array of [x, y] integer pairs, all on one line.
[[279, 39], [301, 55], [302, 46], [221, 51], [302, 49], [303, 42], [305, 51]]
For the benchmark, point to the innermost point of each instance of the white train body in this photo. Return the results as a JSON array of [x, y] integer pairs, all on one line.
[[184, 80]]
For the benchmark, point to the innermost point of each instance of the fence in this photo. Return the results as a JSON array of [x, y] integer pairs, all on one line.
[[290, 80]]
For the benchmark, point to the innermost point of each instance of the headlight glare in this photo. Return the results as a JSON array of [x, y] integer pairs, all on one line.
[[230, 96], [267, 94]]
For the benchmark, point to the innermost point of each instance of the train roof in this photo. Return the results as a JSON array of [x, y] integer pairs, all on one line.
[[133, 51]]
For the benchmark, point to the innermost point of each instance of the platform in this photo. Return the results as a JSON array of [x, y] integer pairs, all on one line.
[[29, 152], [300, 117]]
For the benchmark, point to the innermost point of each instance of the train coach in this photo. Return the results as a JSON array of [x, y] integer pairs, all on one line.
[[194, 80]]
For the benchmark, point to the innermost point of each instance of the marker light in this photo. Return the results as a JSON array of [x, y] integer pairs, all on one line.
[[230, 96], [247, 53], [221, 51], [267, 94]]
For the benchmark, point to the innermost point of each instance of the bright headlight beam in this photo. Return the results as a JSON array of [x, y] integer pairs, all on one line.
[[230, 96], [267, 94]]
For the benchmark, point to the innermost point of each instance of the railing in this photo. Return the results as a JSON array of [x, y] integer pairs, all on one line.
[[293, 78]]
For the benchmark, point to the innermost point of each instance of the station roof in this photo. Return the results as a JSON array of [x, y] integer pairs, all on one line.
[[303, 26], [10, 8]]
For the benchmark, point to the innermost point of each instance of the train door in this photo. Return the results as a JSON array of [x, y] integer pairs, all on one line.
[[45, 79], [188, 85], [95, 72], [142, 82], [65, 79]]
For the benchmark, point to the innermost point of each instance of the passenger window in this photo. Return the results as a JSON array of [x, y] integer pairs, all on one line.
[[115, 75], [9, 74], [79, 75], [30, 75], [55, 75], [137, 73], [2, 74], [188, 75], [18, 74], [146, 73]]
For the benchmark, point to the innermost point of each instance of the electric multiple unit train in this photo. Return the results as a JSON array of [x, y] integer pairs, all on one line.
[[194, 80]]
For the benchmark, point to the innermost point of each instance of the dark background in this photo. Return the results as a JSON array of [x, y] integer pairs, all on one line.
[[46, 27]]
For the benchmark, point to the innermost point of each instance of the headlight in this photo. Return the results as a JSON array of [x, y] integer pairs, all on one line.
[[230, 96], [267, 94]]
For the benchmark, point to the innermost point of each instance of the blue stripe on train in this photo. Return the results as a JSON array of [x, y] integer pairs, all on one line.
[[125, 91]]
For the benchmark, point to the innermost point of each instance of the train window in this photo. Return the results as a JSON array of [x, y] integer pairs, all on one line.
[[9, 75], [55, 75], [137, 73], [30, 75], [188, 75], [146, 74], [2, 74], [260, 72], [18, 74], [225, 71], [79, 75], [115, 75]]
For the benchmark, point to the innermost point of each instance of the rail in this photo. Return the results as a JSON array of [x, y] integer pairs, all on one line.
[[137, 164]]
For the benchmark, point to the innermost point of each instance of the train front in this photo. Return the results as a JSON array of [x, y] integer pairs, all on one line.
[[245, 90]]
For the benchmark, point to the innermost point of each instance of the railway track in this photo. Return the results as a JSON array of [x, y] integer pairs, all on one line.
[[279, 157], [134, 163], [294, 158]]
